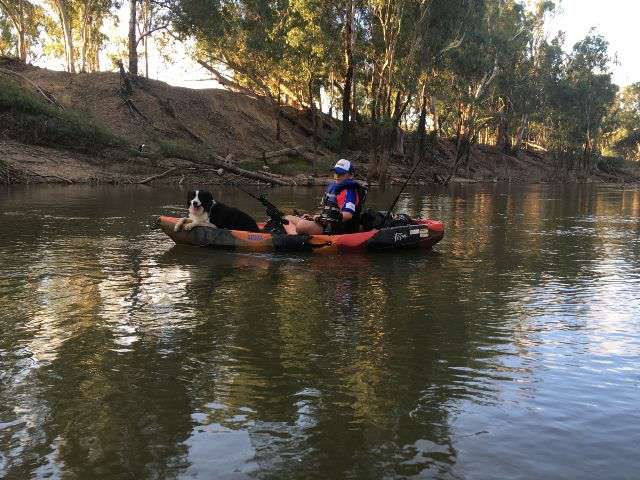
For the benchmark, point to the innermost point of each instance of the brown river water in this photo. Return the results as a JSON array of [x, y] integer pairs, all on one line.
[[512, 350]]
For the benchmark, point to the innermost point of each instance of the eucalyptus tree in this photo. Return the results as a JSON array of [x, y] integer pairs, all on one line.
[[89, 18], [26, 18], [624, 123], [242, 37], [7, 39], [146, 17], [581, 99], [473, 70], [65, 11], [519, 87], [406, 41], [440, 28]]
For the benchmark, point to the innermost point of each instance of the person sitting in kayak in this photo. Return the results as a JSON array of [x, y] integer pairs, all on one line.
[[341, 205]]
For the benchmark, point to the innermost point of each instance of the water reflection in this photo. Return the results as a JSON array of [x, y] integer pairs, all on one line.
[[124, 356]]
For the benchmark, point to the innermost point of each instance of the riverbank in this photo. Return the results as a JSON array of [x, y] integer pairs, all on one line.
[[106, 128], [31, 164]]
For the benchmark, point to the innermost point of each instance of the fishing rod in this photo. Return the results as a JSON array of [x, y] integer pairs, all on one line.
[[393, 205], [272, 211]]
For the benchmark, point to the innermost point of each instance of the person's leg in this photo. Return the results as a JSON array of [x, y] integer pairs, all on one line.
[[290, 227], [308, 226], [292, 219]]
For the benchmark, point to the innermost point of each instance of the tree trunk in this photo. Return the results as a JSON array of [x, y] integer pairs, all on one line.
[[19, 21], [502, 132], [83, 40], [146, 58], [372, 172], [315, 120], [354, 105], [418, 147], [22, 45], [433, 108], [278, 113], [521, 132], [346, 94], [133, 44], [67, 35]]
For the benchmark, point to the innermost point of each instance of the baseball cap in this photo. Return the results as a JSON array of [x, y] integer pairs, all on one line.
[[343, 166]]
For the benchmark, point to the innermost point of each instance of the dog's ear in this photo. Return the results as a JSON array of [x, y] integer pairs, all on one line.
[[190, 195], [207, 199], [209, 196]]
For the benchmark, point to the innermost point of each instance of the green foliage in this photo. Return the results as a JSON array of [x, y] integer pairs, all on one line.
[[179, 149], [21, 24], [27, 119], [332, 141], [623, 124], [477, 68], [7, 39], [612, 165], [292, 166]]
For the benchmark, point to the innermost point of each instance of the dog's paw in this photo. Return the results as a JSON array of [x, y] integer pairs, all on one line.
[[177, 228], [189, 226]]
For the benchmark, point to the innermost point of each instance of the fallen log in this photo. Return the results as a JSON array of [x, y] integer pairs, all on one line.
[[128, 89], [155, 177], [223, 163], [300, 150], [218, 161], [296, 121], [285, 151], [133, 109]]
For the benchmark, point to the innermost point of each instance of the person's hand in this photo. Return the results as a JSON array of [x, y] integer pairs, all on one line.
[[320, 219]]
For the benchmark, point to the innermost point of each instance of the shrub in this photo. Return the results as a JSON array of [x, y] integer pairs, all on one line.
[[28, 119], [611, 164], [178, 149]]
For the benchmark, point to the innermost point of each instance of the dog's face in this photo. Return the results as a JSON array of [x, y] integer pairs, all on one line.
[[199, 202]]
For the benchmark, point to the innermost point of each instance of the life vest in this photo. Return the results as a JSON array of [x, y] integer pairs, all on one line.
[[331, 211]]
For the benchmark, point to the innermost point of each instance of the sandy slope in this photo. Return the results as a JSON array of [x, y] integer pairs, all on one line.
[[226, 122]]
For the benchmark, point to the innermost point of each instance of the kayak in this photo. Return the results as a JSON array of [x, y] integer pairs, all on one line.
[[419, 234]]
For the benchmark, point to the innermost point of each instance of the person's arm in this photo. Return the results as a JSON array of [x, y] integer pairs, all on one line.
[[348, 209]]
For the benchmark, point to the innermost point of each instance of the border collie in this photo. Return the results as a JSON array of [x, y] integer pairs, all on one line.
[[204, 211]]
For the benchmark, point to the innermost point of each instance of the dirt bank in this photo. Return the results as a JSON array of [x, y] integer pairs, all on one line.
[[177, 125]]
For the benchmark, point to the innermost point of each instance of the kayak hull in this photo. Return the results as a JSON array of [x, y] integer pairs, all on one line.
[[422, 234]]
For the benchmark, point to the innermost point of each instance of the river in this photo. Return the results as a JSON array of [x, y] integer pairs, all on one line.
[[510, 351]]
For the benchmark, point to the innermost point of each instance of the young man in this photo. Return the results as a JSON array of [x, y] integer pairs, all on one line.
[[340, 205]]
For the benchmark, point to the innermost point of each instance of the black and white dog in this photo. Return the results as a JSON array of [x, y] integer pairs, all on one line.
[[204, 211]]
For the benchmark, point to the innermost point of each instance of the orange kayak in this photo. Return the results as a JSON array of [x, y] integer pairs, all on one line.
[[420, 234]]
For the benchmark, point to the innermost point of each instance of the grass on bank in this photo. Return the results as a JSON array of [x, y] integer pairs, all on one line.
[[26, 118], [291, 166], [180, 149]]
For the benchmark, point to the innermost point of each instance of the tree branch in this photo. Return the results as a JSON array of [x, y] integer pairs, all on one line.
[[151, 31]]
